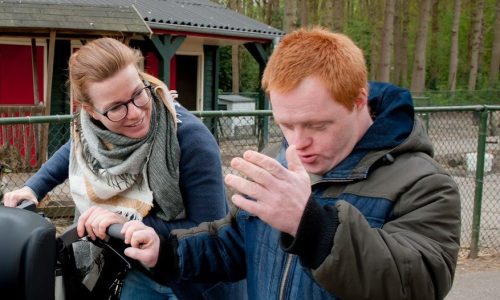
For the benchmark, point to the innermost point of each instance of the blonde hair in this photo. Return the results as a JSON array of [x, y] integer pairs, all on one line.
[[333, 58], [102, 58]]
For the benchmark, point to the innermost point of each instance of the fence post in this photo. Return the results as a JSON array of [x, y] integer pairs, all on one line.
[[263, 123], [478, 192]]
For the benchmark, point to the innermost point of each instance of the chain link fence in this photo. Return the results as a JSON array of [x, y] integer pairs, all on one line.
[[466, 141]]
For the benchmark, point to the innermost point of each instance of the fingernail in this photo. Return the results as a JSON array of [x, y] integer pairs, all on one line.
[[247, 154], [236, 162]]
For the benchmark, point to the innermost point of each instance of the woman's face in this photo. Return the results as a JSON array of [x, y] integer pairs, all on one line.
[[118, 89]]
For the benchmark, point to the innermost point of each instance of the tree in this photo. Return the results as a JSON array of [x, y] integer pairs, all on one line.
[[235, 55], [290, 19], [452, 73], [384, 68], [338, 15], [401, 21], [419, 63], [329, 15], [495, 52], [434, 49], [304, 13], [374, 8], [476, 44]]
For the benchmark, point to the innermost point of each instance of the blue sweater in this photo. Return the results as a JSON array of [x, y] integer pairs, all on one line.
[[201, 181]]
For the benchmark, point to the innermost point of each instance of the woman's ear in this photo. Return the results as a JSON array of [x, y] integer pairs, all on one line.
[[89, 109]]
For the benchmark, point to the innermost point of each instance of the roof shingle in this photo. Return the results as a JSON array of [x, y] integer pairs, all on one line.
[[71, 16], [197, 16]]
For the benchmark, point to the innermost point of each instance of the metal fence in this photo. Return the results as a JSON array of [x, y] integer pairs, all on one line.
[[466, 141]]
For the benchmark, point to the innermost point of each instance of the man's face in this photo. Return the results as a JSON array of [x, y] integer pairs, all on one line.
[[324, 131]]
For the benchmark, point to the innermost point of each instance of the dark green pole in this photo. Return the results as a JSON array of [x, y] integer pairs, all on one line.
[[261, 53], [478, 193], [166, 45]]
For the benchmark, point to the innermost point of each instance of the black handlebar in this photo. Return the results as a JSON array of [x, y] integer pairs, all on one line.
[[114, 231], [27, 205]]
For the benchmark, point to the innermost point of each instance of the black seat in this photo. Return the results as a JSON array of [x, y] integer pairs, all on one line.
[[27, 255]]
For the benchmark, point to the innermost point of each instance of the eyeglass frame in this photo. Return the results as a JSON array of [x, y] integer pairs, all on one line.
[[147, 85]]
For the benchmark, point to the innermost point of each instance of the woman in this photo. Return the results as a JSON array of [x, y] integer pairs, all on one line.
[[134, 154]]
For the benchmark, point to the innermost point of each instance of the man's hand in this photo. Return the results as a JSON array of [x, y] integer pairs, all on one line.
[[280, 195], [96, 220], [12, 199], [144, 242]]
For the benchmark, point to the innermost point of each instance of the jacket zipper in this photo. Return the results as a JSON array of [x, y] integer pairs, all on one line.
[[284, 279]]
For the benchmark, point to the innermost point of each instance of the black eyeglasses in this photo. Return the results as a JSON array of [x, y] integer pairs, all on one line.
[[119, 112]]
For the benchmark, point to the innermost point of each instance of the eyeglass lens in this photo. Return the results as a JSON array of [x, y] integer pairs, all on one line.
[[140, 99]]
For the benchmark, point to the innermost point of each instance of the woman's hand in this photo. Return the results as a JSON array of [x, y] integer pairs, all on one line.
[[96, 220], [12, 199]]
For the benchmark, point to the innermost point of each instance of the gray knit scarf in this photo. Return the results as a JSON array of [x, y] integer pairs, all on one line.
[[118, 160]]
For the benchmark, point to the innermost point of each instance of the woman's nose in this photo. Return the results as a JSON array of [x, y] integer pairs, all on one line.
[[133, 111]]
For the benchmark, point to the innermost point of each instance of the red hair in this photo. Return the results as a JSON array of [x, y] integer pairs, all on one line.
[[331, 57]]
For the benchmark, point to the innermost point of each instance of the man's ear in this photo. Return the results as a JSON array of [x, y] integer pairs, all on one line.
[[362, 98]]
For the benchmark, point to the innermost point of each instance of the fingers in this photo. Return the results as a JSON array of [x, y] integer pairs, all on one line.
[[144, 242], [250, 206], [130, 227], [95, 221], [12, 199], [270, 165], [294, 163]]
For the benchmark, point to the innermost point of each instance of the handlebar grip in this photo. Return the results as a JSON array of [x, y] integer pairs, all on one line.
[[27, 205], [114, 231]]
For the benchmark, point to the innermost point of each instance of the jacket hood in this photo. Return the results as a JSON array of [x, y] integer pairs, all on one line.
[[395, 130]]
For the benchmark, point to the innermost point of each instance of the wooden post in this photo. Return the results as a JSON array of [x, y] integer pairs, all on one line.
[[34, 69], [44, 139], [50, 71]]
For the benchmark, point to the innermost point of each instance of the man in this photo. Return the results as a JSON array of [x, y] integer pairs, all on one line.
[[354, 207]]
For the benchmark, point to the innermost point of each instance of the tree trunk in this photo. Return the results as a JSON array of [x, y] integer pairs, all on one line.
[[329, 15], [271, 6], [476, 45], [290, 18], [495, 52], [313, 11], [418, 73], [387, 33], [304, 13], [434, 49], [235, 55], [396, 72], [338, 16], [376, 10], [452, 73], [404, 42]]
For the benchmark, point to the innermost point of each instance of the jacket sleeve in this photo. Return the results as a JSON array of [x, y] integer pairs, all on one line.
[[212, 251], [52, 173], [411, 257], [201, 180]]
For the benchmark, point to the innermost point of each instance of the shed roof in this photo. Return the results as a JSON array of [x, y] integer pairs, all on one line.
[[235, 98], [191, 16], [71, 16]]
